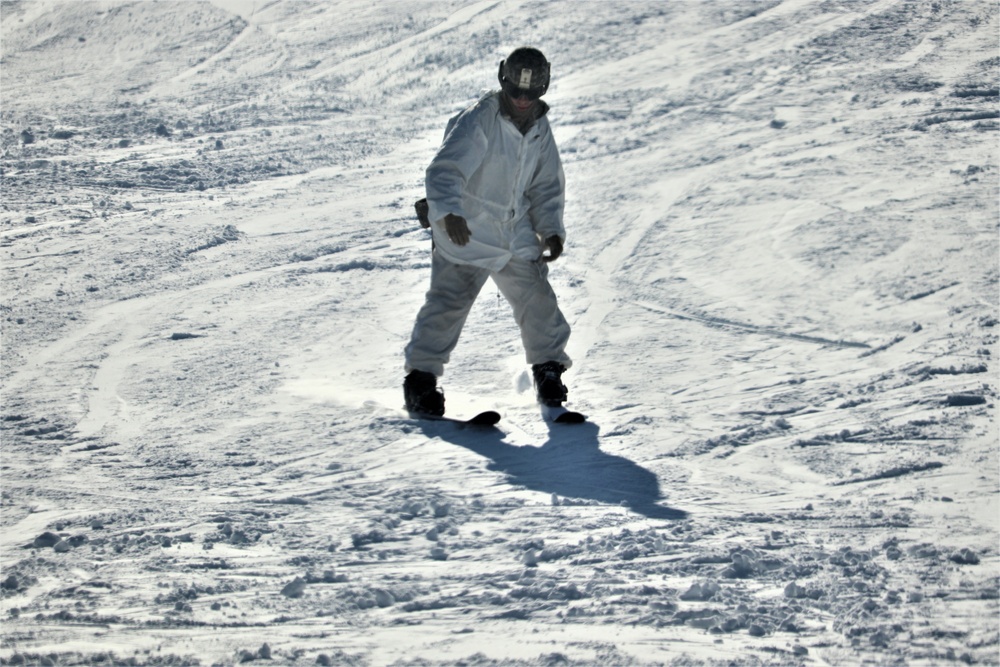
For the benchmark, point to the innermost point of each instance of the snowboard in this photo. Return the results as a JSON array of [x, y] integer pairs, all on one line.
[[483, 419], [561, 415]]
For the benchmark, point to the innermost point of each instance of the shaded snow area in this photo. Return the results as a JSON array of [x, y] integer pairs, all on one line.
[[781, 272]]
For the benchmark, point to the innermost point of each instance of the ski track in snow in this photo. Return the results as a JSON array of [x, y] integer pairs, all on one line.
[[781, 272]]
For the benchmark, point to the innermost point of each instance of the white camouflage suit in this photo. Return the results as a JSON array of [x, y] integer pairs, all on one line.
[[510, 189]]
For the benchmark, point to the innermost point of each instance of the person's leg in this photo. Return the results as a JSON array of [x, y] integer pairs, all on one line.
[[454, 288], [544, 329]]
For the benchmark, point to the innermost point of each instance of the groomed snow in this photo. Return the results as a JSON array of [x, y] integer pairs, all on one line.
[[781, 271]]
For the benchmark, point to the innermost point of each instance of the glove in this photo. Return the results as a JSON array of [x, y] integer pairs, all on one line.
[[555, 247], [423, 209], [457, 228]]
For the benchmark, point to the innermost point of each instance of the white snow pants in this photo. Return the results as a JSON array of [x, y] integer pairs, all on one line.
[[454, 288]]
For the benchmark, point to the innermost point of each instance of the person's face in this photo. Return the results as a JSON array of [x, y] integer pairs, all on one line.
[[522, 100], [522, 104]]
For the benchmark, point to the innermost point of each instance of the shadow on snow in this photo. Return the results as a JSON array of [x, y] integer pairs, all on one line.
[[569, 464]]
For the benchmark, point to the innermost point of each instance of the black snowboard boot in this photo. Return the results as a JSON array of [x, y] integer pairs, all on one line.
[[422, 395], [548, 383]]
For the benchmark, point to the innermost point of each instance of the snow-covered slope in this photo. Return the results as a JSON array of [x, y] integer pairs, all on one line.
[[781, 273]]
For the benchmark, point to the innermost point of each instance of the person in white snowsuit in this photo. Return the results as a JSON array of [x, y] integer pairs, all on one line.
[[495, 198]]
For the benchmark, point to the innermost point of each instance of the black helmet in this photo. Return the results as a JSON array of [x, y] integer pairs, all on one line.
[[525, 73]]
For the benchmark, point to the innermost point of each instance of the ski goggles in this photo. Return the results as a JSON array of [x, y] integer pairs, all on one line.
[[514, 91]]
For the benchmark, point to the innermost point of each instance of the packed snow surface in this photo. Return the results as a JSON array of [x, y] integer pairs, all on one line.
[[781, 272]]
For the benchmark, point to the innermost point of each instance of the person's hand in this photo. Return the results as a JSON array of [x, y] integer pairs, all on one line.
[[423, 209], [457, 228], [555, 247]]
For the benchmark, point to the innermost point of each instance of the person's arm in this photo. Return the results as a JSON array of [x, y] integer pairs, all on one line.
[[547, 194], [462, 152]]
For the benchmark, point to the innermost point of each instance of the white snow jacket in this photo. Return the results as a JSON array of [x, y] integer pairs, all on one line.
[[509, 187]]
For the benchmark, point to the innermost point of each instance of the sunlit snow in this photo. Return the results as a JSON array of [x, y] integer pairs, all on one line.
[[781, 271]]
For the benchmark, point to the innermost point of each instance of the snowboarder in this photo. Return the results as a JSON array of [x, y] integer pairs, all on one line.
[[495, 196]]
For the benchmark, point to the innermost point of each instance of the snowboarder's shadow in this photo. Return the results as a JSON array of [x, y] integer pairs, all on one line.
[[570, 464]]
